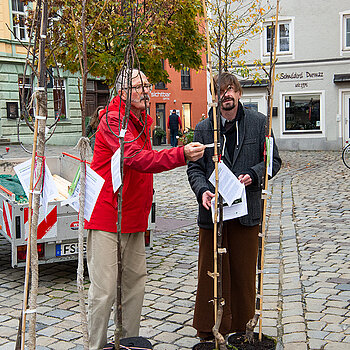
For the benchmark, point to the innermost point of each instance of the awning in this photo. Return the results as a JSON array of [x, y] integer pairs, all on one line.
[[341, 78], [254, 84]]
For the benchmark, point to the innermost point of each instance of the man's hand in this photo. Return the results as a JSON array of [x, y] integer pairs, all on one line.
[[206, 199], [245, 179], [194, 151]]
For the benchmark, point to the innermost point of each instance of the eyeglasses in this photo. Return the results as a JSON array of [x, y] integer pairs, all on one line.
[[140, 88]]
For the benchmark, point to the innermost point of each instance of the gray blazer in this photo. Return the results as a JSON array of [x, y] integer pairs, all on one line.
[[248, 158]]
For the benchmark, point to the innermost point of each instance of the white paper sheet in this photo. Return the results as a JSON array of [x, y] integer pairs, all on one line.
[[269, 155], [94, 183], [115, 168], [230, 187], [233, 211], [49, 191]]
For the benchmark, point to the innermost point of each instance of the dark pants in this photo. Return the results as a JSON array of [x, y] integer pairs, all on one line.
[[173, 139], [238, 272]]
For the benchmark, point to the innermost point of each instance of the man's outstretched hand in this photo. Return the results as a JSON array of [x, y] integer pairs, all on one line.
[[194, 151]]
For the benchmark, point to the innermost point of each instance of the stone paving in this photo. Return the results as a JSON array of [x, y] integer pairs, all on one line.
[[306, 280]]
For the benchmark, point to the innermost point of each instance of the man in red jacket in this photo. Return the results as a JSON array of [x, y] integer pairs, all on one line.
[[139, 165]]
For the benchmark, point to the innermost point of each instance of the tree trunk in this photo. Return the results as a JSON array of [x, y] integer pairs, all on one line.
[[41, 100]]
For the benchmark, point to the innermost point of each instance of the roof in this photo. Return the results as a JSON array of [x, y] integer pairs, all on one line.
[[254, 84]]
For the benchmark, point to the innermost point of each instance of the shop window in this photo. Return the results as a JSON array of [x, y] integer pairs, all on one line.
[[302, 113], [185, 79], [19, 19], [59, 98], [284, 37]]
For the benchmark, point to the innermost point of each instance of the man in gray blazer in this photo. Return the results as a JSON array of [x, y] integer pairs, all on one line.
[[242, 141]]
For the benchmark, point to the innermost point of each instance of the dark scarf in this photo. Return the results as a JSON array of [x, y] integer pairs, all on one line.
[[231, 132]]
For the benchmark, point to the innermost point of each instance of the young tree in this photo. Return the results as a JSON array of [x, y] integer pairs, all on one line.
[[38, 66], [162, 30], [232, 24]]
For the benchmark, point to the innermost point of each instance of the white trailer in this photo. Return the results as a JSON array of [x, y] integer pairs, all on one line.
[[58, 230]]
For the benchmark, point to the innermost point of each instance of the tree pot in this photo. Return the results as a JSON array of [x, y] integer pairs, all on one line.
[[204, 346], [157, 141], [131, 344], [237, 341]]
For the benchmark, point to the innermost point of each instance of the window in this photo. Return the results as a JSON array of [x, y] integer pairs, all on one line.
[[160, 85], [251, 105], [19, 19], [97, 95], [59, 98], [185, 79], [284, 37], [302, 113], [255, 101], [25, 94], [345, 30]]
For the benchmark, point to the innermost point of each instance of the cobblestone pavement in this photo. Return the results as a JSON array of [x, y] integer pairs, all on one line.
[[306, 280]]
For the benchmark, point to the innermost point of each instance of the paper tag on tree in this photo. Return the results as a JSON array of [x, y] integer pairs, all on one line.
[[269, 154], [115, 168]]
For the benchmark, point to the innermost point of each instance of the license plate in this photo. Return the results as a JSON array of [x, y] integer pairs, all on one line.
[[68, 249]]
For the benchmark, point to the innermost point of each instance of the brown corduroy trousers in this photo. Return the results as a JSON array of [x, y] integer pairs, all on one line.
[[238, 273]]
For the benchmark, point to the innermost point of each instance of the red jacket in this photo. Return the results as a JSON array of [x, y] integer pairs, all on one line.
[[138, 171]]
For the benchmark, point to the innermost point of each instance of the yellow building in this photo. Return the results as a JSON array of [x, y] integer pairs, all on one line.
[[62, 87]]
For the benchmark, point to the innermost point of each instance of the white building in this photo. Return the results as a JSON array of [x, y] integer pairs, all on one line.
[[312, 95]]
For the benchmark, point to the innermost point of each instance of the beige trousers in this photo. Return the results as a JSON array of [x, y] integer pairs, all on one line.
[[102, 266]]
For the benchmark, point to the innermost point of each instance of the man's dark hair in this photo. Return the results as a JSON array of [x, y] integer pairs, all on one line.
[[174, 110], [227, 79]]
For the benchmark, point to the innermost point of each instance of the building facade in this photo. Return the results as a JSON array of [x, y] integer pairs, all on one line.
[[312, 91], [187, 94], [16, 80]]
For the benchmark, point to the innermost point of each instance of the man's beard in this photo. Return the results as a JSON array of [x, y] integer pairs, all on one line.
[[228, 107]]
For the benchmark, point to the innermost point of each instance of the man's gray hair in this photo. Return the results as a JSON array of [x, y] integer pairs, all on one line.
[[122, 82]]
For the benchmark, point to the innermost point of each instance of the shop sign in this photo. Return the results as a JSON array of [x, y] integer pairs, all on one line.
[[302, 79], [165, 95], [307, 75]]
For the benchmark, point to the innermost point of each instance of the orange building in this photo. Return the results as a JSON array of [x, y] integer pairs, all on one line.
[[187, 93]]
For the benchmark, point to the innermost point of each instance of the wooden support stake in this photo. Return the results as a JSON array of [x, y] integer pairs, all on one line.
[[264, 196], [218, 304]]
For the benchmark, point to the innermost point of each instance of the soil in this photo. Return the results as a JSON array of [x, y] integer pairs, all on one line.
[[204, 346], [238, 340]]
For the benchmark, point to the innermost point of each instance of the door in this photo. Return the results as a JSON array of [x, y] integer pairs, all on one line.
[[160, 117], [346, 116], [186, 114]]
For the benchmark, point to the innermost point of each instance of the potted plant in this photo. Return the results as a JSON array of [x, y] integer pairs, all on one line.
[[158, 134], [187, 136]]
